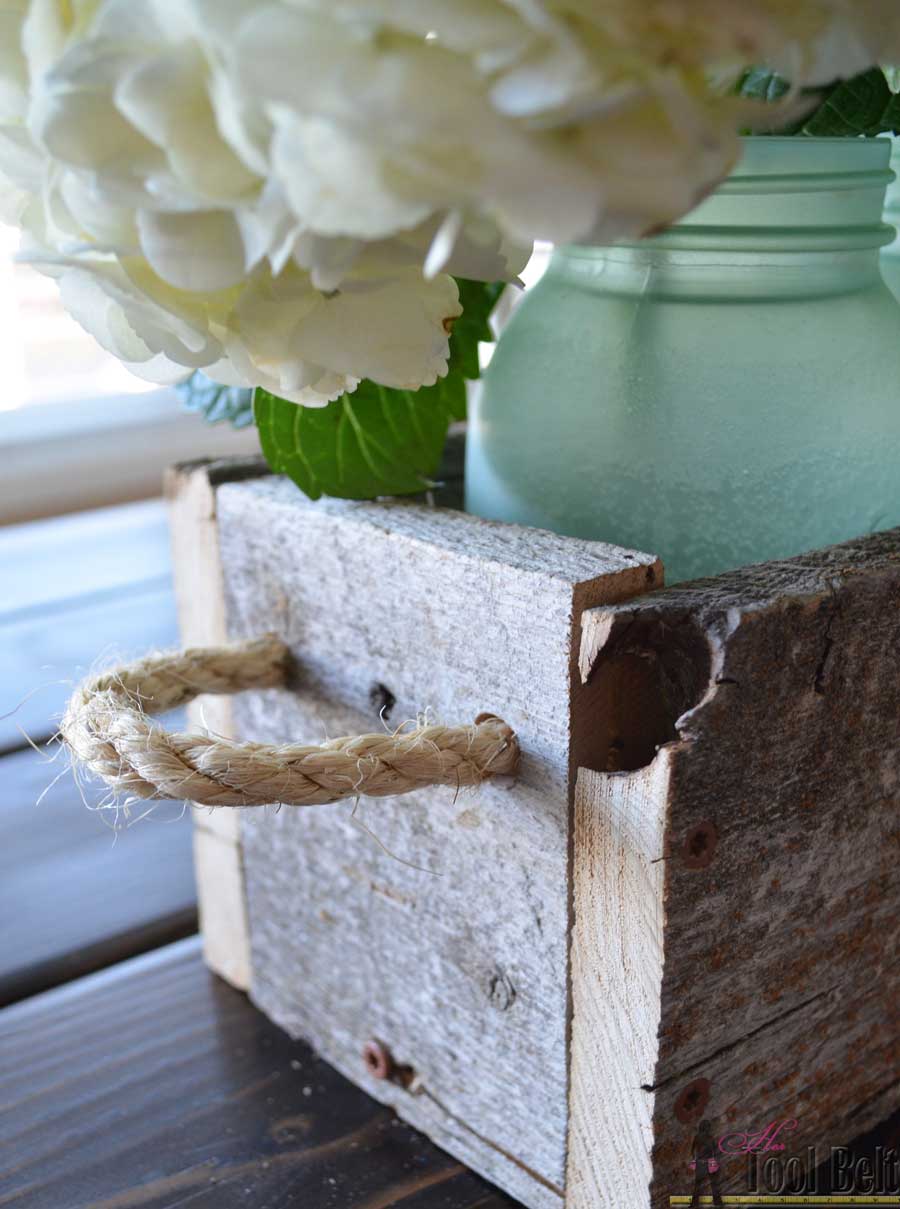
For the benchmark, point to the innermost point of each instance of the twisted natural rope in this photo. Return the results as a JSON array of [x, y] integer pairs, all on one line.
[[107, 728]]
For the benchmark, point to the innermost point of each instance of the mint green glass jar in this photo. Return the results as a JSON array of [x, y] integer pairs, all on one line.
[[724, 393], [890, 255]]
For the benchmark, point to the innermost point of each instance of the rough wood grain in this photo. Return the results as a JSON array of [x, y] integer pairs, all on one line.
[[74, 896], [616, 972], [156, 1086], [730, 855], [451, 947], [778, 786], [197, 568]]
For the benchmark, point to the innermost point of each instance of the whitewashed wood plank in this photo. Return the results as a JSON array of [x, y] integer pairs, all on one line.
[[218, 862], [460, 963], [697, 833], [219, 872]]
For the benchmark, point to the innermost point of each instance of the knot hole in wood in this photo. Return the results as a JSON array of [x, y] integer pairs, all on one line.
[[649, 672], [382, 700]]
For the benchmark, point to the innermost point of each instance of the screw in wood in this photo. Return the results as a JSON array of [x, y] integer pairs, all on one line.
[[380, 1064], [693, 1100], [700, 845], [378, 1060]]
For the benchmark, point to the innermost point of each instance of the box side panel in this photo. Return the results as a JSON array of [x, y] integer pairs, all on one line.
[[781, 988], [436, 923]]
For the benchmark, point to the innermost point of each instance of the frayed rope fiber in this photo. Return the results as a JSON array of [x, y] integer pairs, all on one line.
[[107, 728]]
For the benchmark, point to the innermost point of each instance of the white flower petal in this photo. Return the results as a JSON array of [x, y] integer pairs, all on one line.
[[202, 251], [164, 97], [476, 248], [13, 67], [395, 332], [335, 184], [159, 369], [127, 321]]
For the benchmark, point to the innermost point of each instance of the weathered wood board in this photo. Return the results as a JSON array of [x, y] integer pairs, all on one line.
[[577, 968], [451, 946], [736, 900], [218, 861]]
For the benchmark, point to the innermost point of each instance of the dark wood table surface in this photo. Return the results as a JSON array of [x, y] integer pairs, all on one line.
[[154, 1084], [150, 1083]]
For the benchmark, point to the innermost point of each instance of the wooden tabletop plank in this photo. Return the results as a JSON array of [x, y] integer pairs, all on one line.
[[105, 550], [75, 590], [155, 1085], [75, 895], [44, 655]]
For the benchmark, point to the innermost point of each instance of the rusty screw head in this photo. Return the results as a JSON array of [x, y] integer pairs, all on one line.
[[700, 846], [378, 1060], [693, 1100]]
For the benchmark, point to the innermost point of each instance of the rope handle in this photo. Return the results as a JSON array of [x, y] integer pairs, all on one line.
[[107, 728]]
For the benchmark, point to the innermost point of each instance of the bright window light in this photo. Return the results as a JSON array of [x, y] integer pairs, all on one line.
[[45, 356]]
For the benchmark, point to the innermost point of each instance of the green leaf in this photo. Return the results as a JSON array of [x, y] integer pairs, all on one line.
[[852, 107], [216, 403], [864, 105], [372, 442], [890, 119], [760, 84], [377, 441], [478, 299]]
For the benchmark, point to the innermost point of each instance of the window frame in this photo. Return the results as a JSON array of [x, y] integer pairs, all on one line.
[[64, 457]]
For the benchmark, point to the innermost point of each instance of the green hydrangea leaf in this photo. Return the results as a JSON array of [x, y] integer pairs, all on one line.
[[890, 119], [372, 442], [760, 84], [216, 403], [478, 299], [377, 441], [451, 394], [863, 106], [852, 107]]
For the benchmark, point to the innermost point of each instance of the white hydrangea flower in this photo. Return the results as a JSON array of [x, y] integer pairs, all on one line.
[[169, 248], [558, 119], [276, 190], [308, 346]]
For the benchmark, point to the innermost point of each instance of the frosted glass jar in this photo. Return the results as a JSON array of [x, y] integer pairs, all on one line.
[[890, 255], [723, 393]]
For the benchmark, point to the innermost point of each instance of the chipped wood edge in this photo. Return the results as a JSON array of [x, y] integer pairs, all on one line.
[[617, 949], [817, 587], [616, 966], [199, 594]]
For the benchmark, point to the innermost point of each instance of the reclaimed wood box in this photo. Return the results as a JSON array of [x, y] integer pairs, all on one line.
[[685, 906]]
